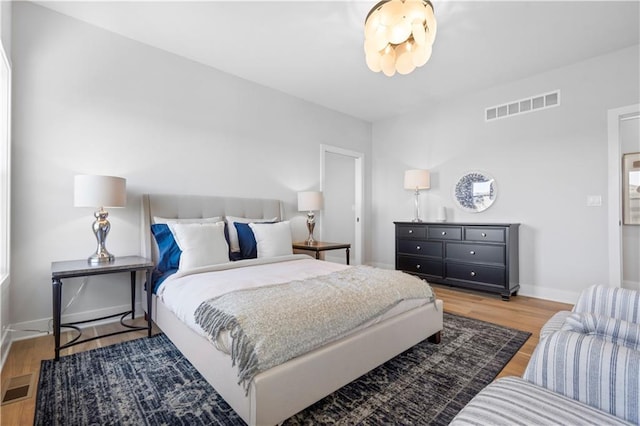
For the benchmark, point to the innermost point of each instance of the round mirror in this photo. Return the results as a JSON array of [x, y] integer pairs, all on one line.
[[475, 192]]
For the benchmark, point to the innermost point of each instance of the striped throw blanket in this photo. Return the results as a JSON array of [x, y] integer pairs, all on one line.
[[273, 324]]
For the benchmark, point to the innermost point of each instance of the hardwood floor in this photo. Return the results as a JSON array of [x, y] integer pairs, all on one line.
[[521, 312]]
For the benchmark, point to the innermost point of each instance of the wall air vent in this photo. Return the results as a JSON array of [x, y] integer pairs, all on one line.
[[522, 106]]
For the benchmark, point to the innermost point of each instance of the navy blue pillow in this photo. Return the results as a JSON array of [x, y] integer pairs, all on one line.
[[248, 245], [157, 277], [233, 255], [169, 252]]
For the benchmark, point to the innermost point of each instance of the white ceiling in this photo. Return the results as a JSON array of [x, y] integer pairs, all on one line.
[[314, 49]]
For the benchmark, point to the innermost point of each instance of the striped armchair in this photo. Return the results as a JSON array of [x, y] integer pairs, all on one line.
[[571, 379], [591, 370], [585, 370], [613, 302]]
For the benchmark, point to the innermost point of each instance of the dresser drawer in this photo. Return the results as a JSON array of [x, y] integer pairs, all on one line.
[[476, 273], [482, 253], [411, 232], [444, 233], [494, 235], [420, 265], [420, 247]]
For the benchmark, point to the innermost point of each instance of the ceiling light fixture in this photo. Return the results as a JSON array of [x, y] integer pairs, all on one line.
[[399, 35]]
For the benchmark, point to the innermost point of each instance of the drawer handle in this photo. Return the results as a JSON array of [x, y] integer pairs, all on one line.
[[417, 247], [484, 234], [444, 233], [411, 231], [472, 252], [473, 274], [417, 266]]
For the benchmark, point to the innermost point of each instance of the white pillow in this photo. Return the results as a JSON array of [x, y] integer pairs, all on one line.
[[166, 220], [272, 239], [233, 233], [202, 244]]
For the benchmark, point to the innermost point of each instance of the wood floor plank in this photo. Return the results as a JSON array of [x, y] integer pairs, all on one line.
[[521, 312]]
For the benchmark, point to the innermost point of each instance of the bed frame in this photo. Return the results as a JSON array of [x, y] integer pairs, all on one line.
[[282, 391]]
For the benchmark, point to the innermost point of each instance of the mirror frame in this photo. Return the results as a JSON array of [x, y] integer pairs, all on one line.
[[463, 192]]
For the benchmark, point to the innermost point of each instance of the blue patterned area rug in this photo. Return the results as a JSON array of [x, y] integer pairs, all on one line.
[[148, 382]]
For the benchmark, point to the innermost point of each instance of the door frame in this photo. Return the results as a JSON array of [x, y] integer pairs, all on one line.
[[614, 180], [356, 252]]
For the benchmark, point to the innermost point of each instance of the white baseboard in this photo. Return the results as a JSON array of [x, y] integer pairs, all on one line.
[[383, 265], [42, 327], [548, 293]]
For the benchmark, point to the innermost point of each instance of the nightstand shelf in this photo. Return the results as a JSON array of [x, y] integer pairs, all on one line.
[[319, 246], [81, 268]]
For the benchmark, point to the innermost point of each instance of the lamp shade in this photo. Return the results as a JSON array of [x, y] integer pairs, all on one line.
[[309, 201], [416, 179], [99, 191]]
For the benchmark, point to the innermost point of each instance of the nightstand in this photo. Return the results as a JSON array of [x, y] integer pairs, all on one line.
[[81, 268], [319, 246]]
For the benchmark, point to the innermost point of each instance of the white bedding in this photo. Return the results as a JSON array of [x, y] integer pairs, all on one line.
[[183, 292]]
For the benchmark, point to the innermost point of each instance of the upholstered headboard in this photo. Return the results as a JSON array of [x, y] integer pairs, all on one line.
[[199, 206]]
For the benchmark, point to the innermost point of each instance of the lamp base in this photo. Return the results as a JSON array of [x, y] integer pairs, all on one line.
[[416, 207], [100, 258], [311, 224], [101, 229]]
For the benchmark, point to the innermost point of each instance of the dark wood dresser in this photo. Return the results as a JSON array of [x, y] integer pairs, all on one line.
[[476, 256]]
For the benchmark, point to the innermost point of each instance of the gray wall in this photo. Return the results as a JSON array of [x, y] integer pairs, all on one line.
[[545, 163], [90, 101], [5, 17]]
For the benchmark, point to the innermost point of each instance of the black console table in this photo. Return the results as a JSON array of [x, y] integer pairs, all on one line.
[[81, 268], [476, 256]]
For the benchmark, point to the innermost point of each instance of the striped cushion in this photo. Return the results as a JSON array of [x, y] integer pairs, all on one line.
[[611, 329], [554, 324], [589, 369], [514, 401], [613, 302]]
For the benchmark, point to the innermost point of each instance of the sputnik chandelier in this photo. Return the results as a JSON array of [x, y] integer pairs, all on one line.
[[399, 35]]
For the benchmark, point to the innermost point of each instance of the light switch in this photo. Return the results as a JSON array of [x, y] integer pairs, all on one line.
[[594, 200]]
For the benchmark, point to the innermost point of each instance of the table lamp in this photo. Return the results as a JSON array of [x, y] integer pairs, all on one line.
[[310, 201], [416, 180], [100, 192]]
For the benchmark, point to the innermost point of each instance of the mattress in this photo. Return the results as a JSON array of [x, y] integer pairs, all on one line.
[[183, 292]]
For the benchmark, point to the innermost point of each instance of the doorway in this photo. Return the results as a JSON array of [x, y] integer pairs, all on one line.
[[342, 186], [624, 240]]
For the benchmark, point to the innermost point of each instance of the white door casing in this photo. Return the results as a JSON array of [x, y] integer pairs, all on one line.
[[358, 161], [614, 179]]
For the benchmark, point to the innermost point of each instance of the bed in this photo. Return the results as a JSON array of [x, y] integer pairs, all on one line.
[[273, 395]]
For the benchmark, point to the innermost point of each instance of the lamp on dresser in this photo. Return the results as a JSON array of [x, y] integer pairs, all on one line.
[[100, 192], [417, 180], [310, 201]]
